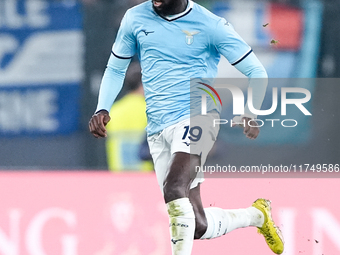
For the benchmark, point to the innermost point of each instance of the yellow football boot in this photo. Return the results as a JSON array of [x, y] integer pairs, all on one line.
[[271, 233]]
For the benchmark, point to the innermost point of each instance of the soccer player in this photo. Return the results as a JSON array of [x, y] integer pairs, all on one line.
[[177, 40]]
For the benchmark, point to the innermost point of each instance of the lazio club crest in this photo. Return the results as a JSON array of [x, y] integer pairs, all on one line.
[[190, 36]]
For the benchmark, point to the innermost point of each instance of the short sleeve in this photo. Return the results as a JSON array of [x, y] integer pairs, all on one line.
[[229, 43], [125, 45]]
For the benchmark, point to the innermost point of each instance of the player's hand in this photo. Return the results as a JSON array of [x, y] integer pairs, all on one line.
[[252, 131], [98, 122]]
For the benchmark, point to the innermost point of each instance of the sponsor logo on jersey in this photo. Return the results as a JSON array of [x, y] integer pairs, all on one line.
[[147, 32]]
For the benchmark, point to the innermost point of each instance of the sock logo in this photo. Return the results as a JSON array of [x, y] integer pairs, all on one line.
[[178, 225], [219, 227], [175, 241]]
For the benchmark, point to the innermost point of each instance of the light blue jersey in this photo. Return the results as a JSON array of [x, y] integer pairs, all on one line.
[[171, 52]]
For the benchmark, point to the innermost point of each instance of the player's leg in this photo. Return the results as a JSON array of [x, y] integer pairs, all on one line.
[[176, 195], [181, 178], [214, 222], [188, 218], [175, 185], [200, 217]]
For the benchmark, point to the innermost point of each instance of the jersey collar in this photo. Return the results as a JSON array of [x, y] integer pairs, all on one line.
[[180, 15]]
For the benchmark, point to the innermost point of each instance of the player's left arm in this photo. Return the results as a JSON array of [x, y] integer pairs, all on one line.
[[230, 44], [258, 81]]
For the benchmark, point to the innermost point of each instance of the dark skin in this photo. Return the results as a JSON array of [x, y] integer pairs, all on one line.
[[98, 122], [182, 165], [252, 131]]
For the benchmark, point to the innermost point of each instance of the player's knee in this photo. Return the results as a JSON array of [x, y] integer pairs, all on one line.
[[172, 192]]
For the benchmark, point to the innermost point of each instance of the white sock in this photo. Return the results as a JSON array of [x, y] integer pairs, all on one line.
[[222, 221], [182, 226]]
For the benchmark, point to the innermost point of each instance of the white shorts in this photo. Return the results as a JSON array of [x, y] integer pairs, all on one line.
[[195, 135]]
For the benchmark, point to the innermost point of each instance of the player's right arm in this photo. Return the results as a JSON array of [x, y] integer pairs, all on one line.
[[112, 82]]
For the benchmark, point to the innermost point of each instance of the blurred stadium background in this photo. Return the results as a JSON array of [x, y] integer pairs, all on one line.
[[56, 195]]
